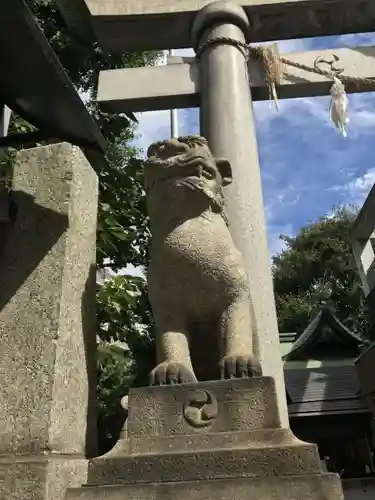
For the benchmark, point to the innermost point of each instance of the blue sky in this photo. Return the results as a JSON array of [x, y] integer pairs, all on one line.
[[306, 165]]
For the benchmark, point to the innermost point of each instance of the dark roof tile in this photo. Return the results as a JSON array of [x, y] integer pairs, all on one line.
[[314, 330], [321, 390]]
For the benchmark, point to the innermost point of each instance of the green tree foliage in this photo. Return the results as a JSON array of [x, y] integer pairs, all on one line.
[[114, 366], [125, 315], [317, 268], [122, 223]]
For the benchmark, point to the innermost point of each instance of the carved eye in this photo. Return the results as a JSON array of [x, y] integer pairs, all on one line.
[[210, 171]]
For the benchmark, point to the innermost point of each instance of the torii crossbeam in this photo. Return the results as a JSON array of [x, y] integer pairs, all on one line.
[[123, 25], [177, 85], [220, 85]]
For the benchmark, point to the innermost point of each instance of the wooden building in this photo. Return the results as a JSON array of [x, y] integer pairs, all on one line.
[[365, 365], [325, 403]]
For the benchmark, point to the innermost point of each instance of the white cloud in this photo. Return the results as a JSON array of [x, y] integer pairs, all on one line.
[[153, 126], [362, 121], [292, 110], [297, 45], [184, 52], [356, 190], [275, 244], [356, 40]]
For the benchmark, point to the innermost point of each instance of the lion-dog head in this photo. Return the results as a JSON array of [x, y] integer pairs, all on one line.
[[187, 161]]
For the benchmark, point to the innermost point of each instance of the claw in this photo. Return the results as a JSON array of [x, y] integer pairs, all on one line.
[[240, 366], [171, 374]]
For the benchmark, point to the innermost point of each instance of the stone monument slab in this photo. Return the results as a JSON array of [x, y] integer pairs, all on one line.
[[47, 325]]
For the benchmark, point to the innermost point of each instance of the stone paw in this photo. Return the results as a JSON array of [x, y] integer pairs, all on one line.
[[171, 373], [240, 366]]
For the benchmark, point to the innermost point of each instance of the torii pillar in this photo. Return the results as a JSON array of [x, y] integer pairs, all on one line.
[[227, 122]]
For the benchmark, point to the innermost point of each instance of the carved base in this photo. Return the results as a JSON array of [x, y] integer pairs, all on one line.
[[196, 416], [212, 439], [306, 487]]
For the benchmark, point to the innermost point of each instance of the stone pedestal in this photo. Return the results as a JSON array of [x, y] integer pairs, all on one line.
[[47, 329], [219, 440]]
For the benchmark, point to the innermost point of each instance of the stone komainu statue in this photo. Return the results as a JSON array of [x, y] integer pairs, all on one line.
[[198, 287]]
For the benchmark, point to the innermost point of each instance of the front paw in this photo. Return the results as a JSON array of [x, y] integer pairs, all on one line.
[[240, 366], [170, 373]]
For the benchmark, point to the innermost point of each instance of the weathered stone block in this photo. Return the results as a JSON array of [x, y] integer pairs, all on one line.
[[220, 439], [260, 461], [206, 430], [40, 478], [306, 487], [47, 325], [241, 404], [204, 441]]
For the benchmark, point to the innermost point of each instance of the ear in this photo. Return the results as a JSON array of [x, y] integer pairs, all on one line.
[[225, 170]]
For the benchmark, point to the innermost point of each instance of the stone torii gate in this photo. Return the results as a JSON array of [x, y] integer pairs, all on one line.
[[219, 84]]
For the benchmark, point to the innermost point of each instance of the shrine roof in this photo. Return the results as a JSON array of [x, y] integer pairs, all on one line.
[[324, 390], [316, 331]]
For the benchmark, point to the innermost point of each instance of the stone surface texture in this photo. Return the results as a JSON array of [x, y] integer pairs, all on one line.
[[4, 212], [244, 404], [47, 325], [306, 487], [168, 22], [240, 452], [40, 478], [197, 283], [362, 236]]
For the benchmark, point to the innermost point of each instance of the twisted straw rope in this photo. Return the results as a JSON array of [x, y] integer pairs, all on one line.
[[273, 62]]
